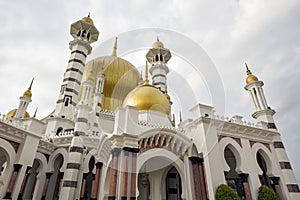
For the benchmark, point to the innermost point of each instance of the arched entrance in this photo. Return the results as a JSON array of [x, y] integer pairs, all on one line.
[[31, 180], [232, 177], [3, 161], [160, 177], [264, 178]]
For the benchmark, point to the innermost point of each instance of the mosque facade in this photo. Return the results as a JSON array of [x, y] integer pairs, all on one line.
[[112, 135]]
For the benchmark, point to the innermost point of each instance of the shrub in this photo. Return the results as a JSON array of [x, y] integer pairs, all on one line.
[[266, 193], [224, 192]]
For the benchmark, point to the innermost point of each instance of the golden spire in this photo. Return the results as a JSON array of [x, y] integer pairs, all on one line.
[[28, 93], [88, 19], [34, 115], [114, 53], [141, 78], [250, 77], [180, 116], [146, 73]]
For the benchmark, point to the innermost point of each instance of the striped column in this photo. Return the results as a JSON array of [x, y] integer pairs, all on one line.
[[95, 188], [71, 175], [12, 181], [286, 169], [194, 161], [113, 176], [68, 96]]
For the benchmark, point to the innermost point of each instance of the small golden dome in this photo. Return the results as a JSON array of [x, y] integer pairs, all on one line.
[[158, 44], [88, 20], [28, 93], [13, 112], [250, 77], [147, 97]]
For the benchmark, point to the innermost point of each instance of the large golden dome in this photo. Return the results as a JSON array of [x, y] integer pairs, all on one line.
[[13, 112], [147, 97], [120, 78]]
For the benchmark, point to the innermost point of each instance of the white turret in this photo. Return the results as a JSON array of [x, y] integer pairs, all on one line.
[[263, 112], [24, 102], [159, 56]]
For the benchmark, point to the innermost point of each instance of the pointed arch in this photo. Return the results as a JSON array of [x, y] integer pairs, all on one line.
[[267, 156]]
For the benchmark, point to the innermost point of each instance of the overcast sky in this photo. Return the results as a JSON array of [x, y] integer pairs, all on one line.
[[34, 38]]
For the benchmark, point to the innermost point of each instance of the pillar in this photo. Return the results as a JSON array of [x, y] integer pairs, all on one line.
[[202, 179], [196, 180], [24, 183], [113, 177], [246, 186], [124, 183], [48, 176], [277, 187], [95, 188], [133, 185], [82, 191], [12, 181]]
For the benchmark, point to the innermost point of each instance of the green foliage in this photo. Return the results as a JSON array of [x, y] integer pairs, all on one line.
[[224, 192], [266, 193]]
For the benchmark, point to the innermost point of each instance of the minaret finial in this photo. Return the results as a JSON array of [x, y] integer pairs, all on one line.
[[157, 39], [114, 53], [248, 70], [30, 86], [89, 14], [34, 115], [146, 73], [141, 78], [180, 116], [173, 118]]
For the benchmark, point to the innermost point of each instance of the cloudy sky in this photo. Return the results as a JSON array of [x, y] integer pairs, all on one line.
[[34, 38]]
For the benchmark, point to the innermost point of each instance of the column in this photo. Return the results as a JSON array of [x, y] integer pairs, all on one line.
[[83, 185], [24, 183], [196, 180], [277, 187], [124, 183], [96, 182], [48, 176], [12, 181], [113, 177], [202, 179], [133, 174], [246, 187]]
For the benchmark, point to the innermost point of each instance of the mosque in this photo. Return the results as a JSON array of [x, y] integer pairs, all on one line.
[[112, 136]]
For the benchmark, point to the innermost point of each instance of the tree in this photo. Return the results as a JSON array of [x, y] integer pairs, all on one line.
[[266, 193], [224, 192]]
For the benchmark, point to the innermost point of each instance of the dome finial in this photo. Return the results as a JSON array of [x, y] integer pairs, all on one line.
[[248, 70], [89, 14], [157, 39], [34, 115], [114, 53], [141, 78], [146, 73], [28, 93]]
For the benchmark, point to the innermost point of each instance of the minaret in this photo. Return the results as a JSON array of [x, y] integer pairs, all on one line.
[[263, 112], [159, 56], [84, 33], [24, 102]]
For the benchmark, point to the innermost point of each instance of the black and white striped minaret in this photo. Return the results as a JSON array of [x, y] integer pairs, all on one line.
[[84, 33]]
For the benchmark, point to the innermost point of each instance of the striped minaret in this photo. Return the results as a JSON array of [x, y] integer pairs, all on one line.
[[70, 182], [159, 56], [84, 33]]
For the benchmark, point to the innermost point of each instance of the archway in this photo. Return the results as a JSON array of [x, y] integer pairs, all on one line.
[[232, 177], [264, 178], [3, 161], [159, 178], [55, 180], [31, 180]]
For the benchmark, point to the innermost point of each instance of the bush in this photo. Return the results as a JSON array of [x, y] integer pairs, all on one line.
[[224, 192], [266, 193]]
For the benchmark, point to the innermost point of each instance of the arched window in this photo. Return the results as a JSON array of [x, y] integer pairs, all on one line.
[[161, 58], [156, 57], [264, 178], [83, 33], [89, 179]]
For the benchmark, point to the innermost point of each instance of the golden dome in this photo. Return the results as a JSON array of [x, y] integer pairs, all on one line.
[[158, 44], [147, 97], [88, 20], [13, 112], [120, 78], [250, 77]]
